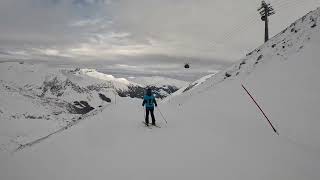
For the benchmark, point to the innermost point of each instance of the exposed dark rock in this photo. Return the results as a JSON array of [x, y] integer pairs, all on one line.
[[32, 116], [284, 30], [259, 58], [312, 19], [77, 103], [227, 74], [99, 87], [85, 108], [249, 54], [58, 88], [138, 92], [133, 91], [103, 97], [85, 103], [242, 63], [75, 70], [57, 113], [167, 89], [190, 87]]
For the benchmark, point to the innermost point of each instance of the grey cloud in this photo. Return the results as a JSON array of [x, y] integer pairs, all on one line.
[[5, 53], [88, 2], [140, 31]]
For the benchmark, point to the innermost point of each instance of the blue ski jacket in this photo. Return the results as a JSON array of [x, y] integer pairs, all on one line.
[[149, 102]]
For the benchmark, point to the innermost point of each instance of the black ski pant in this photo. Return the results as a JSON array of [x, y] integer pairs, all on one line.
[[152, 116]]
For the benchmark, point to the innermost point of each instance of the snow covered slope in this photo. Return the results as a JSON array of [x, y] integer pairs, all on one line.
[[119, 83], [214, 130], [188, 87], [282, 75], [135, 88], [158, 81], [37, 100], [278, 50]]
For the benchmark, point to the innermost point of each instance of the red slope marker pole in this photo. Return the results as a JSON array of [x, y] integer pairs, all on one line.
[[274, 129]]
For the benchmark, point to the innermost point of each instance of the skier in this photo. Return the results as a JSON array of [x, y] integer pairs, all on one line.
[[149, 101]]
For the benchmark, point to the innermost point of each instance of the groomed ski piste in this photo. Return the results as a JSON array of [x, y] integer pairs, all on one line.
[[214, 130]]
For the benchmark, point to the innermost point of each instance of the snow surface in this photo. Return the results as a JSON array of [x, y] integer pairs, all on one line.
[[188, 87], [214, 130], [28, 112], [158, 81], [95, 74], [36, 99]]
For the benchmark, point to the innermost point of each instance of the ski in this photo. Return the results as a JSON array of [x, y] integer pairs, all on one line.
[[156, 126], [146, 125], [150, 125]]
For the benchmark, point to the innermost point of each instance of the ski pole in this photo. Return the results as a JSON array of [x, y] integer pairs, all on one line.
[[144, 114], [274, 129], [162, 115]]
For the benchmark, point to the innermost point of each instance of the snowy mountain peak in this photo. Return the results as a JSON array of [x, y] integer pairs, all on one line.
[[106, 77], [60, 96], [158, 81]]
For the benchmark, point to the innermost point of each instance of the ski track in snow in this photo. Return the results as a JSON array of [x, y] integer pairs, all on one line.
[[73, 123]]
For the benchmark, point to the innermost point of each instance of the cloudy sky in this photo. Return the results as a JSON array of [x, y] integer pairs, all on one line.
[[140, 32]]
